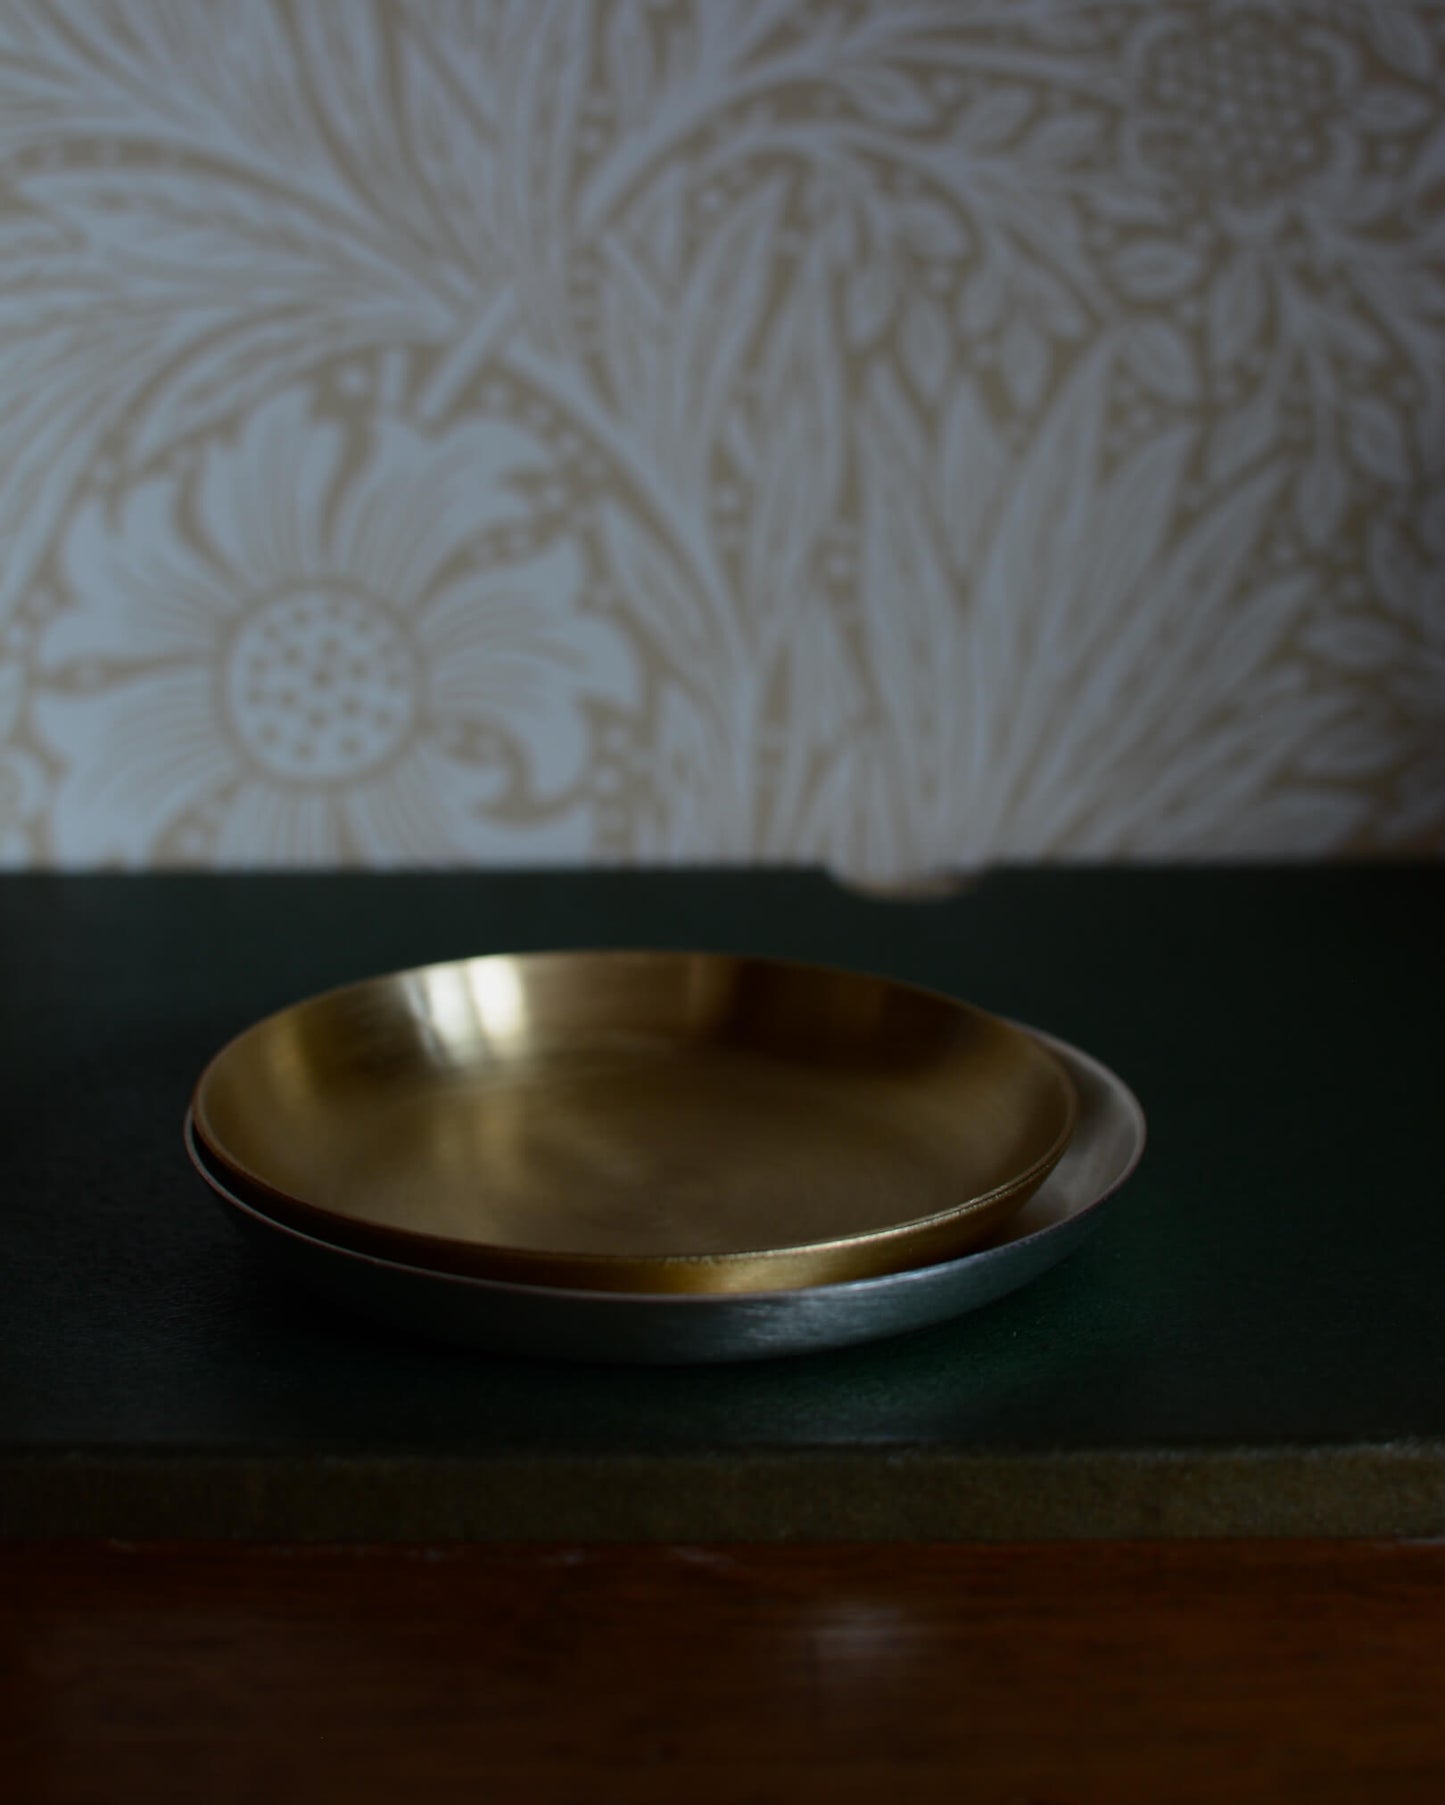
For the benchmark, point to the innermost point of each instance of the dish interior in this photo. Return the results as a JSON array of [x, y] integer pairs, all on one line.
[[642, 1106]]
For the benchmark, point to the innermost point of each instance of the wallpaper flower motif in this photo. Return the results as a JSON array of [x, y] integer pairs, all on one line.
[[896, 435], [335, 661]]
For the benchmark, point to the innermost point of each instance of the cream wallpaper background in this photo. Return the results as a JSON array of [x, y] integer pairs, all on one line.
[[898, 435]]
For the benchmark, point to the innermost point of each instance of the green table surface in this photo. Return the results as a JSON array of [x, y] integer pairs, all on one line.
[[1253, 1341]]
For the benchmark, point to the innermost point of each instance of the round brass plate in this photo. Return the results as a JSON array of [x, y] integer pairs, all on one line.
[[639, 1121]]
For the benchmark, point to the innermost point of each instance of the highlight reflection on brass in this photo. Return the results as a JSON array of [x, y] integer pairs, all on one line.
[[639, 1121]]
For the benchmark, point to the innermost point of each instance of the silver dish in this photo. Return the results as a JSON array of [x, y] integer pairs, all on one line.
[[505, 1316]]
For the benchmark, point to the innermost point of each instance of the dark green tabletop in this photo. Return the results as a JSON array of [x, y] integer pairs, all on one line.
[[1252, 1342]]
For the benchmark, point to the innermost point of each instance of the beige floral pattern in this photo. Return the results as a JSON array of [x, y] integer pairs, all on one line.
[[1245, 103], [901, 436], [334, 661]]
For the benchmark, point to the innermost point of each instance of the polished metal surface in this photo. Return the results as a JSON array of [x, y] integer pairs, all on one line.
[[671, 1122], [647, 1327]]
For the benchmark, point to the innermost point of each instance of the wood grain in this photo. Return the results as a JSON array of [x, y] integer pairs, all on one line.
[[1058, 1674]]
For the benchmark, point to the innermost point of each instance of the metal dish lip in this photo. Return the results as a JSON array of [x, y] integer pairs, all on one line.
[[861, 1288], [1026, 1181]]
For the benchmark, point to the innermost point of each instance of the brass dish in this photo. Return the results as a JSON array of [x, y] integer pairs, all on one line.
[[548, 1322], [668, 1122]]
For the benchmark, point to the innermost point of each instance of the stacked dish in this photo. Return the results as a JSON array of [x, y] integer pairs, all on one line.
[[652, 1156]]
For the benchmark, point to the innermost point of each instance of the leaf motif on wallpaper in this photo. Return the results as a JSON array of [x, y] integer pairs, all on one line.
[[243, 247], [1238, 305], [542, 120], [715, 323], [1409, 587], [1378, 440], [1401, 37], [628, 57], [162, 74], [969, 473], [932, 230], [926, 344], [799, 432], [165, 296], [1354, 642], [1201, 692], [1160, 356], [1428, 168], [192, 236], [701, 811], [910, 615], [74, 367], [670, 400], [659, 221], [1393, 110], [1322, 492], [807, 689], [346, 114], [446, 125], [1049, 301], [1350, 753], [1024, 358], [888, 96], [1068, 140], [736, 648], [660, 595], [990, 121], [1352, 336], [1100, 638], [983, 298], [1244, 434], [1155, 269], [70, 367], [826, 712], [489, 118], [277, 95], [868, 297], [634, 319], [242, 290], [1051, 488]]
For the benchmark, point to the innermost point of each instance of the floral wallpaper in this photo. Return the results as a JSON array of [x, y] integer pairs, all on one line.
[[898, 434]]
